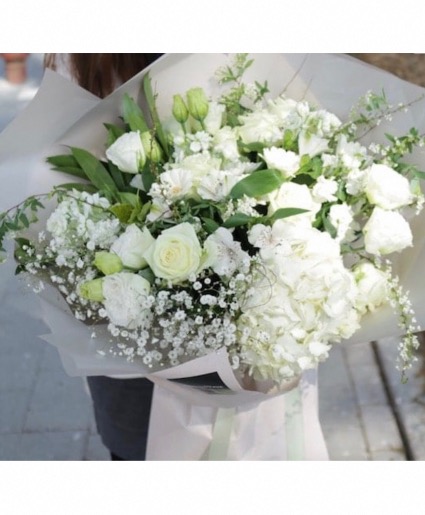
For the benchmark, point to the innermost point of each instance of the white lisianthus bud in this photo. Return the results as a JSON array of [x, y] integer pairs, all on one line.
[[180, 110], [151, 147], [108, 262], [372, 285], [127, 153], [131, 246], [92, 290], [285, 161], [176, 253], [386, 232], [386, 188], [197, 103]]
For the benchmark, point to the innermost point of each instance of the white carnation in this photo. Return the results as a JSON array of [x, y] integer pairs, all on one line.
[[285, 161], [259, 127], [324, 190], [291, 194], [341, 217], [125, 296]]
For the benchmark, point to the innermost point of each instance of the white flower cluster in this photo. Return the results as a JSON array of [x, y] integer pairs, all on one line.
[[204, 249], [301, 301]]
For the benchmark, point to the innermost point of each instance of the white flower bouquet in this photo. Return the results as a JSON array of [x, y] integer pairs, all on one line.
[[227, 222]]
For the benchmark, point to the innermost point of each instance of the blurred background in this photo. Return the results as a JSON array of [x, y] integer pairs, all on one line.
[[365, 412]]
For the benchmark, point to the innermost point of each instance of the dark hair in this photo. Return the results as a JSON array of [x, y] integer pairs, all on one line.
[[99, 73]]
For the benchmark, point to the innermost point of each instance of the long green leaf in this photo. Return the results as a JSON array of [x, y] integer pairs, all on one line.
[[95, 171], [133, 115], [258, 184], [285, 212], [77, 186], [150, 98], [239, 219]]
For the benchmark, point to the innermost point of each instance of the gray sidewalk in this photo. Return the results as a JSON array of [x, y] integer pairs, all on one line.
[[45, 415]]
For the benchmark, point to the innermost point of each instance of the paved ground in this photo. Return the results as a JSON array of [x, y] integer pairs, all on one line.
[[45, 415]]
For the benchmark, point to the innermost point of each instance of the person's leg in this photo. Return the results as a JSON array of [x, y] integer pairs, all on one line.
[[122, 411]]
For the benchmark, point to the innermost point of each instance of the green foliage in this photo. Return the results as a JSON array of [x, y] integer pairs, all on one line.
[[257, 184], [19, 218], [158, 130], [133, 115], [96, 172]]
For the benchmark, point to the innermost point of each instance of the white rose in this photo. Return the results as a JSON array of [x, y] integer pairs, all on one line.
[[373, 287], [127, 152], [125, 296], [131, 246], [324, 190], [386, 232], [285, 161], [291, 194], [175, 254], [386, 188], [311, 145], [259, 127]]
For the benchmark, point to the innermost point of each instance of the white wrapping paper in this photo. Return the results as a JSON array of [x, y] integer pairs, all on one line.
[[186, 423]]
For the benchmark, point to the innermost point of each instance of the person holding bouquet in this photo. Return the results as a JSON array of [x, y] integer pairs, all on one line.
[[121, 406]]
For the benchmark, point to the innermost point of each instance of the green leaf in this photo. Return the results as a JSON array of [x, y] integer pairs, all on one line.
[[133, 115], [95, 171], [419, 174], [150, 98], [122, 211], [148, 179], [114, 132], [66, 160], [257, 184], [76, 186], [117, 176], [285, 212], [252, 147], [147, 274], [66, 164], [239, 219], [329, 227], [210, 225], [130, 198]]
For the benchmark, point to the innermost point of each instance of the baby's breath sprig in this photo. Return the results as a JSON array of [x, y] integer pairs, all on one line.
[[370, 111], [400, 302]]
